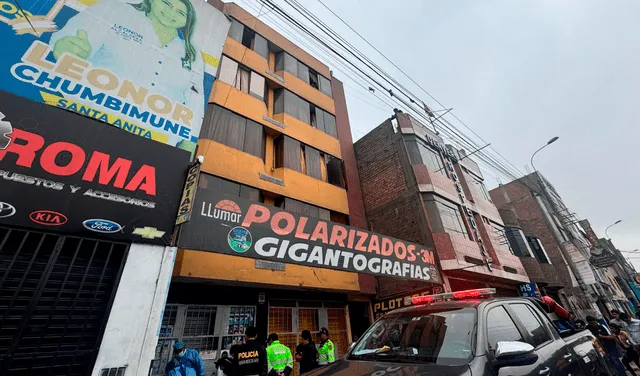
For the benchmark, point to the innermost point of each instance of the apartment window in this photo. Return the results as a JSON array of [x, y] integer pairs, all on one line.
[[452, 219], [305, 159], [518, 242], [249, 38], [499, 235], [335, 172], [302, 208], [216, 184], [479, 186], [286, 62], [538, 249], [233, 130], [242, 78], [291, 104], [420, 153]]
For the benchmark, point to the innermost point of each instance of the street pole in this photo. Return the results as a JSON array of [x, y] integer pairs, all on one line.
[[611, 225]]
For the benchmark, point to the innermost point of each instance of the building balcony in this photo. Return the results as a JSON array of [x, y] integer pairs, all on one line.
[[429, 181], [307, 92], [235, 165], [253, 108]]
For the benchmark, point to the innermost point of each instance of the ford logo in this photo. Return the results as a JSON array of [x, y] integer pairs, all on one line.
[[102, 225]]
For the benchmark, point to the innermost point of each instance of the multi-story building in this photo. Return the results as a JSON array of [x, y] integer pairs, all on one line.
[[276, 131], [551, 244], [417, 188]]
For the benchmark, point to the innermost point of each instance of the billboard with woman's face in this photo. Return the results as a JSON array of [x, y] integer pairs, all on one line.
[[145, 66]]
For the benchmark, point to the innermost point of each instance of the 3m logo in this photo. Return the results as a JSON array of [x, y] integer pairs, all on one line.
[[48, 218], [5, 131]]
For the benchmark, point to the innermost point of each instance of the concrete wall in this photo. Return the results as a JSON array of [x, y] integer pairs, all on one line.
[[131, 334]]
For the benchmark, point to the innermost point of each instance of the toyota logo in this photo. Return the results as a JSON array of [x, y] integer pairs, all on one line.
[[6, 210]]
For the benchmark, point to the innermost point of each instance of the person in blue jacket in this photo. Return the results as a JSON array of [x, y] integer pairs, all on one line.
[[186, 362]]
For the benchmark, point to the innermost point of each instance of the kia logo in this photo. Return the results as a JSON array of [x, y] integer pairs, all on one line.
[[6, 210], [48, 218]]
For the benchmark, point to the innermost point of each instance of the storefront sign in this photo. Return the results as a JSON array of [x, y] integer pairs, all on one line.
[[635, 287], [72, 174], [107, 60], [230, 225], [602, 258], [382, 306], [188, 194], [529, 289]]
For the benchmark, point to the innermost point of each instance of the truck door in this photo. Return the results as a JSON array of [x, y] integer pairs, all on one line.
[[500, 327], [559, 360]]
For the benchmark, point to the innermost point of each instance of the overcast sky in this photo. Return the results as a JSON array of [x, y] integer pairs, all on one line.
[[517, 73]]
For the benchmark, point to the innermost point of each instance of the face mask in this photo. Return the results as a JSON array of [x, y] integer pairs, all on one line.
[[180, 354]]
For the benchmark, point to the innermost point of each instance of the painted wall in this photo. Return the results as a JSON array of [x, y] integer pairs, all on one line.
[[131, 334]]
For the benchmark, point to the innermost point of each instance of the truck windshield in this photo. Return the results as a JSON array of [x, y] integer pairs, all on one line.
[[442, 337]]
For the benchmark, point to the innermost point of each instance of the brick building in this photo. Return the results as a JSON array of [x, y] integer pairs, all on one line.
[[546, 235], [417, 188]]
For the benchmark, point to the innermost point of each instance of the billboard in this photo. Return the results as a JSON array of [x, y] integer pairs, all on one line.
[[145, 66], [63, 172], [234, 226]]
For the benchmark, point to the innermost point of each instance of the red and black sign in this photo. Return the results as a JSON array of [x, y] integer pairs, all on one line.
[[73, 174], [226, 224]]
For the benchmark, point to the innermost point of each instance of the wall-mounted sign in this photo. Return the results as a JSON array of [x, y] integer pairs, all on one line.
[[382, 306], [68, 173], [231, 225], [145, 66], [602, 258], [529, 289], [188, 194]]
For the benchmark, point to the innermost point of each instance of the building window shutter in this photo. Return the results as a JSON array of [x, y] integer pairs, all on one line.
[[254, 139], [236, 30], [256, 87], [261, 46], [228, 70], [330, 124], [325, 86], [303, 72], [312, 157], [290, 64], [304, 112]]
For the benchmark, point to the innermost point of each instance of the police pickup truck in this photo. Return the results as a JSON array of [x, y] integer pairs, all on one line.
[[469, 333]]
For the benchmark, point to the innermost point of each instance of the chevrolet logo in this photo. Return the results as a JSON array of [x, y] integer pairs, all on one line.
[[148, 232]]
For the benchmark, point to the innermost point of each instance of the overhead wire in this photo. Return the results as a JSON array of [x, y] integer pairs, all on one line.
[[492, 162]]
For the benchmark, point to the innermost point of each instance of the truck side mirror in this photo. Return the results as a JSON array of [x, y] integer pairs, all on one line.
[[515, 353]]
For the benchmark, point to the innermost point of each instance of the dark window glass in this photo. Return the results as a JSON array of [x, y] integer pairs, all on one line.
[[531, 322], [325, 86], [413, 150], [279, 61], [291, 104], [254, 140], [300, 207], [452, 219], [330, 124], [261, 46], [319, 115], [303, 72], [304, 110], [312, 159], [518, 242], [278, 101], [250, 193], [538, 249], [290, 64], [313, 78], [431, 159], [233, 130], [335, 173], [324, 214], [287, 153], [216, 184], [498, 234], [500, 327], [339, 218], [247, 37]]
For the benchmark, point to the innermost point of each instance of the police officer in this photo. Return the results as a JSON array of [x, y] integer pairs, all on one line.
[[248, 359], [279, 359], [326, 352]]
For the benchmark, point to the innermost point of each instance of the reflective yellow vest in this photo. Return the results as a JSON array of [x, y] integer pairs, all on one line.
[[326, 353], [278, 357]]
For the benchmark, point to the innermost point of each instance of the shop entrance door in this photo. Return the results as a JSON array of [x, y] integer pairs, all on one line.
[[288, 318], [55, 295]]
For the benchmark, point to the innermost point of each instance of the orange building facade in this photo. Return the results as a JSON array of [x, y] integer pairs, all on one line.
[[276, 130]]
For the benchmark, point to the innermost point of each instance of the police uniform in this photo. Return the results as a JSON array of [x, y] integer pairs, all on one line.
[[249, 359], [326, 352], [279, 359]]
